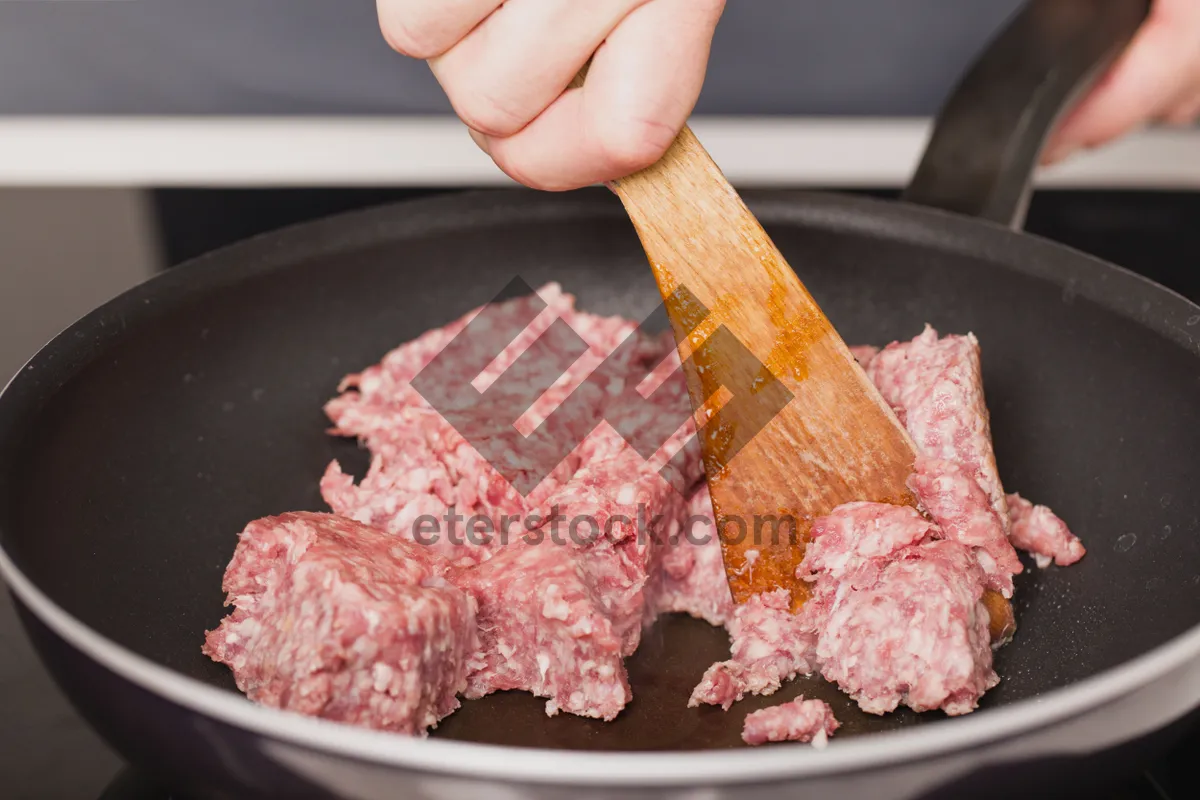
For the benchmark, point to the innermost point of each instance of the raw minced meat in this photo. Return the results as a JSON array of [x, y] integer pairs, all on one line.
[[449, 446], [908, 629], [770, 645], [871, 564], [559, 604], [854, 535], [560, 559], [1039, 531], [604, 515], [337, 620], [896, 615], [543, 629], [958, 504], [936, 387], [691, 573], [797, 721]]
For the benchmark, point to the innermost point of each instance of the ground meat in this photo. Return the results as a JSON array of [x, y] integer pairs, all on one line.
[[887, 602], [543, 567], [912, 630], [442, 447], [1037, 530], [543, 629], [618, 517], [896, 615], [956, 502], [901, 605], [723, 684], [411, 484], [691, 575], [385, 645], [856, 535], [421, 467], [770, 645], [586, 540], [935, 386], [798, 721]]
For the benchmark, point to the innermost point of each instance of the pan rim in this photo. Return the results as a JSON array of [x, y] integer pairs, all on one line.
[[676, 768], [620, 769]]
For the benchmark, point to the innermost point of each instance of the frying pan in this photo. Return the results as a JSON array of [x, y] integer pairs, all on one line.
[[137, 443]]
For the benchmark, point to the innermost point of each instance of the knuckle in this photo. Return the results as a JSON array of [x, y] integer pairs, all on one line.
[[635, 145], [409, 37], [1180, 118], [1183, 114], [486, 112], [518, 171], [708, 11], [528, 173]]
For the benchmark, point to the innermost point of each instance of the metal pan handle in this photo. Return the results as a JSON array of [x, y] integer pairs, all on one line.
[[989, 134]]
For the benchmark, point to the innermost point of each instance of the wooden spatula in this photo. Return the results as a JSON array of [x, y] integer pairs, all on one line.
[[747, 327], [773, 463]]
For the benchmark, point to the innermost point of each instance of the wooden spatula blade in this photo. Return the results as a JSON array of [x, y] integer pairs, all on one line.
[[801, 429]]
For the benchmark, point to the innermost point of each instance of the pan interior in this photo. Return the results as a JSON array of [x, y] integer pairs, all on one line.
[[138, 444]]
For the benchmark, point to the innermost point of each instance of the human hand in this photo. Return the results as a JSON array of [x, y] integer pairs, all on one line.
[[506, 66], [1157, 79]]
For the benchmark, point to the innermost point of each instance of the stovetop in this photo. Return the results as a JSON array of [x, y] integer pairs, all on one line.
[[47, 751]]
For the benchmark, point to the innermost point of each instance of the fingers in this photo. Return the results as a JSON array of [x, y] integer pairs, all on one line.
[[423, 29], [640, 90], [509, 69], [1156, 78], [505, 65], [1185, 111]]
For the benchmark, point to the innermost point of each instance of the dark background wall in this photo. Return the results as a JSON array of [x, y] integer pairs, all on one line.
[[839, 57]]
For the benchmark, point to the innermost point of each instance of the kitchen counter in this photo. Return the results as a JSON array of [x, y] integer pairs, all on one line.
[[235, 151]]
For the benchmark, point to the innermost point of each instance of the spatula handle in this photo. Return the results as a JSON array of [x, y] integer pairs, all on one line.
[[990, 131]]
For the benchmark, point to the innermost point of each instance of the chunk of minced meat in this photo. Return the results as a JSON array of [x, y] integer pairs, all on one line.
[[896, 615], [798, 721], [616, 515], [442, 447], [961, 509], [865, 535], [855, 535], [423, 465], [913, 630], [935, 386], [770, 645], [420, 468], [691, 574], [723, 684], [337, 620], [543, 630], [887, 602], [1039, 531]]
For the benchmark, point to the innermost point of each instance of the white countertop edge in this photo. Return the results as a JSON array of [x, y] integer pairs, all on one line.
[[435, 151]]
